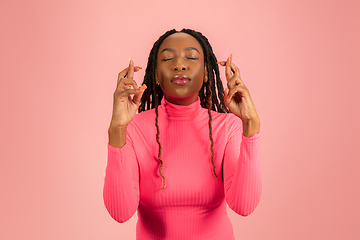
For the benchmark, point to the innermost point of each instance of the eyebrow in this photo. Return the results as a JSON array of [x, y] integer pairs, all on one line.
[[186, 49]]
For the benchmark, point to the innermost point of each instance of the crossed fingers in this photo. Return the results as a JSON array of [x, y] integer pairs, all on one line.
[[127, 86], [126, 77], [234, 82]]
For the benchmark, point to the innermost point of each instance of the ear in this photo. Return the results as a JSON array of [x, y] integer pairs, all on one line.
[[206, 74]]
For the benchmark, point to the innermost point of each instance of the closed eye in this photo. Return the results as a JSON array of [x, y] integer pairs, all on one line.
[[166, 59]]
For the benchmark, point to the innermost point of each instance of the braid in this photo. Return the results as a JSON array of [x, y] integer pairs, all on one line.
[[209, 100], [211, 93], [158, 142], [153, 94]]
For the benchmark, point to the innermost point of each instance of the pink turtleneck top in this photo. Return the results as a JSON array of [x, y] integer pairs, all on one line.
[[193, 202]]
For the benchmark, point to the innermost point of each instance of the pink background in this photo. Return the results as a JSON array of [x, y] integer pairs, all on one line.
[[59, 64]]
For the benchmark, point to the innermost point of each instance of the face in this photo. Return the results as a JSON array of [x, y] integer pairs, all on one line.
[[180, 68]]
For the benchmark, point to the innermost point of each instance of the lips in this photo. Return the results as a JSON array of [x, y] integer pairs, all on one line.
[[180, 80]]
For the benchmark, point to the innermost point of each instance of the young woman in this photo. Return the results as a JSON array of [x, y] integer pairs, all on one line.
[[183, 156]]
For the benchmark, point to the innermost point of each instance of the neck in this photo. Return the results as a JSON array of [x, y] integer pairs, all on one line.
[[182, 101], [175, 111]]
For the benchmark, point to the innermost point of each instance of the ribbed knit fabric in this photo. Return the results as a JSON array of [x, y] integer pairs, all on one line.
[[192, 204]]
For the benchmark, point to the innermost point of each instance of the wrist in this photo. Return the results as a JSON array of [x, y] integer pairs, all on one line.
[[250, 127], [116, 128], [117, 136]]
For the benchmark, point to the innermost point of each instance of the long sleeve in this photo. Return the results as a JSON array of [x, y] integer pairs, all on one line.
[[242, 170], [192, 205], [121, 185]]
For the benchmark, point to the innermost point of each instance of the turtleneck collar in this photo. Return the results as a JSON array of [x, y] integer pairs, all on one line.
[[179, 112]]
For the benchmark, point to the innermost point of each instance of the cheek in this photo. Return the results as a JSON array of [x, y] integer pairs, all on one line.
[[161, 76], [161, 79], [199, 73], [161, 73]]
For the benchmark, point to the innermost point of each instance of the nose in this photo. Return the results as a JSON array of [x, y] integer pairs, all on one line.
[[180, 64]]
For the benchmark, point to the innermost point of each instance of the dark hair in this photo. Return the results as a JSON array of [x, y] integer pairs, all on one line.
[[211, 93]]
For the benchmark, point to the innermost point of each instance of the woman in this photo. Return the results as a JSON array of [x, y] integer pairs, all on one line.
[[183, 157]]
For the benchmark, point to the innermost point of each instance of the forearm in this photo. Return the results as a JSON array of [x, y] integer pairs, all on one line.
[[121, 185], [243, 185]]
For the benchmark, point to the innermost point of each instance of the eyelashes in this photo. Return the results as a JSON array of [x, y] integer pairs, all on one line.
[[191, 58]]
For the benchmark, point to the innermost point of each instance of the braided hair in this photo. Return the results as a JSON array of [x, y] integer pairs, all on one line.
[[211, 93]]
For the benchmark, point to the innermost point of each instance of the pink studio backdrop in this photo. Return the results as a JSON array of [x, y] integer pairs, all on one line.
[[59, 64]]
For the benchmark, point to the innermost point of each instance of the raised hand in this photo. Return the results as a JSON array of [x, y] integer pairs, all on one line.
[[237, 98], [127, 98]]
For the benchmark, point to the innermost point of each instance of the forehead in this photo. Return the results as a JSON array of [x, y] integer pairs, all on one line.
[[180, 41]]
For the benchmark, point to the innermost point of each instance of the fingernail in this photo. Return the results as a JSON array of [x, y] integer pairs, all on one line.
[[143, 87], [219, 62], [231, 57], [129, 60]]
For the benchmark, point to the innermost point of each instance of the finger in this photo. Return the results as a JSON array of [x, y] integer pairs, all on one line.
[[226, 96], [126, 83], [143, 87], [235, 69], [130, 91], [122, 74], [137, 68], [223, 63], [137, 96], [239, 89], [228, 72], [235, 80], [130, 73]]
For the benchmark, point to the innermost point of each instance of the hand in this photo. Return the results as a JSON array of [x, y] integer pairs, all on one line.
[[127, 97], [237, 98]]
